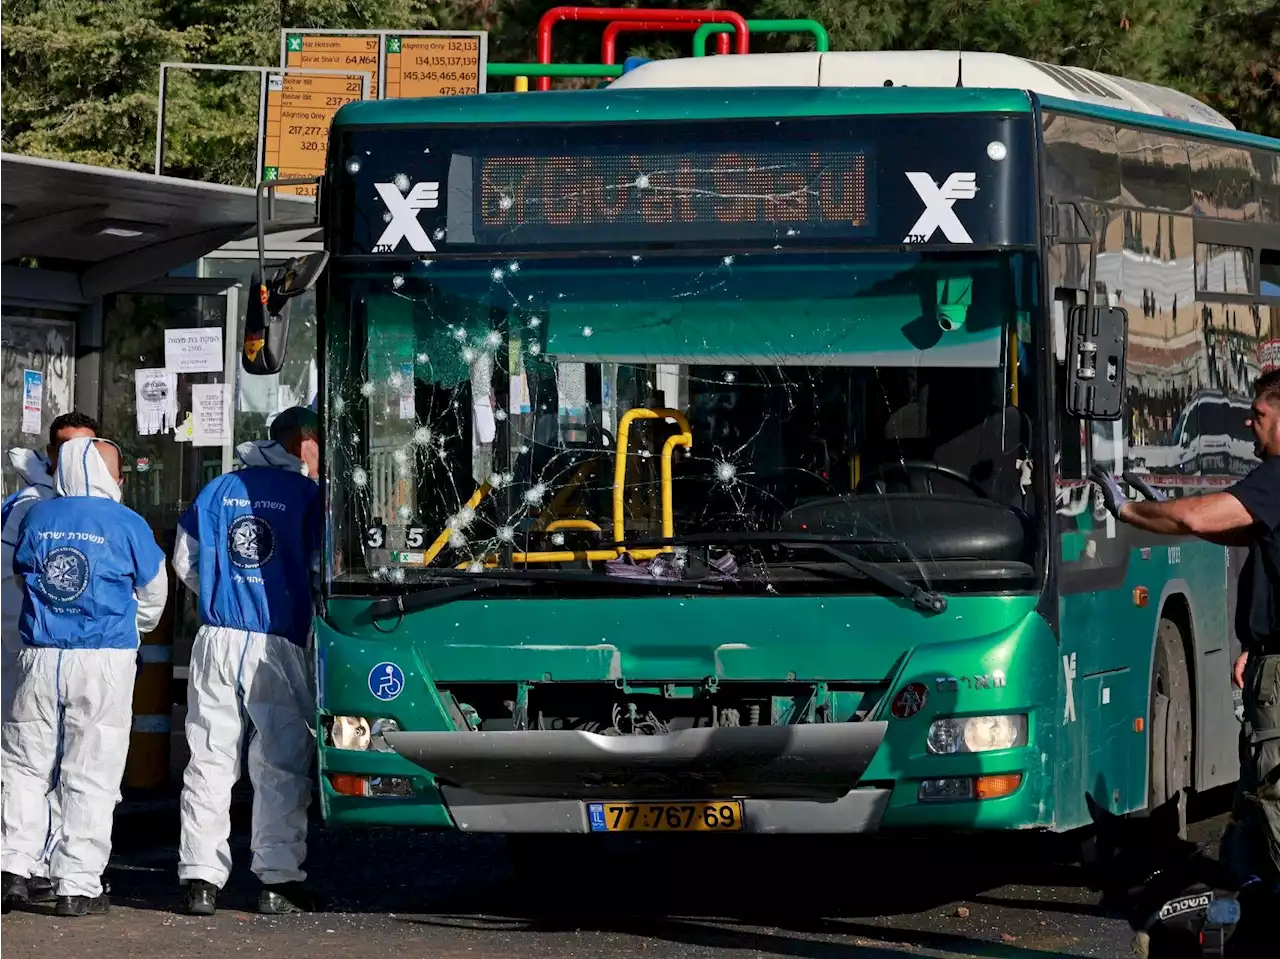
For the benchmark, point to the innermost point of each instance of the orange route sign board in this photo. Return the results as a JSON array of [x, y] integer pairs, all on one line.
[[433, 66], [300, 107], [331, 51]]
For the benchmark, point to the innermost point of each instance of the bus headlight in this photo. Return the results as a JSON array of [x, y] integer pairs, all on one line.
[[349, 732], [976, 734], [360, 734]]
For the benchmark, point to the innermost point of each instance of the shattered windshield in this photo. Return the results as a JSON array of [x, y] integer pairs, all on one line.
[[491, 415]]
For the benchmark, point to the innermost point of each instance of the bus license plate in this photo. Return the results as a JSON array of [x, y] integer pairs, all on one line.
[[665, 817]]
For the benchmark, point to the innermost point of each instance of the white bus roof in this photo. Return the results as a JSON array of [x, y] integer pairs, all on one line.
[[921, 68]]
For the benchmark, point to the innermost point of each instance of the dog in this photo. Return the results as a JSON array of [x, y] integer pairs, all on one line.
[[1179, 901]]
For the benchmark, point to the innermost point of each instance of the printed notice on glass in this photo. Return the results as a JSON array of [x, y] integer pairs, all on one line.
[[210, 415], [155, 398], [32, 400], [193, 351]]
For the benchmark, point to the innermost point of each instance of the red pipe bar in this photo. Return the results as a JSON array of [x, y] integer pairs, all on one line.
[[609, 44], [606, 14]]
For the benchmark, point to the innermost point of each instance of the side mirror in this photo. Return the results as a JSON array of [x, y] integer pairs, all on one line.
[[266, 326], [1096, 360]]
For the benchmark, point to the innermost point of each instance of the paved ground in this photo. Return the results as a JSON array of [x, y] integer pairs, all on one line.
[[392, 893]]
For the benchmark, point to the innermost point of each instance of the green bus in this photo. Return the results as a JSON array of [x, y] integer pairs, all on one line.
[[701, 455]]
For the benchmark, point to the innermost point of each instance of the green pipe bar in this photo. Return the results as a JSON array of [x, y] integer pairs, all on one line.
[[821, 42], [555, 69]]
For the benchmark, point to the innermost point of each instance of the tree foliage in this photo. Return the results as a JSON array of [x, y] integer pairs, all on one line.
[[80, 76]]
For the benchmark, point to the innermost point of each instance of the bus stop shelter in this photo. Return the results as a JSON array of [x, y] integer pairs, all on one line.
[[74, 235], [100, 269]]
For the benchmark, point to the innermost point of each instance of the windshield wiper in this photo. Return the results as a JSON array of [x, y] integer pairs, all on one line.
[[446, 586], [435, 596], [927, 600]]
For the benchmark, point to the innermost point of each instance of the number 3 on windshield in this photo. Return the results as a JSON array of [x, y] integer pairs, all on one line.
[[375, 536]]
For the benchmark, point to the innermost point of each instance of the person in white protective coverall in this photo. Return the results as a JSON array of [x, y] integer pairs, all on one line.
[[36, 471], [248, 547], [94, 580]]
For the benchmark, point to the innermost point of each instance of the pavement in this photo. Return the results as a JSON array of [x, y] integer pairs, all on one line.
[[396, 892]]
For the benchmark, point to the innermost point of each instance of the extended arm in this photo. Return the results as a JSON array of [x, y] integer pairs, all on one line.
[[1217, 517]]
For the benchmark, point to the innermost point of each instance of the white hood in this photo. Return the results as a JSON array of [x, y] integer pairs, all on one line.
[[32, 466], [82, 472], [269, 453]]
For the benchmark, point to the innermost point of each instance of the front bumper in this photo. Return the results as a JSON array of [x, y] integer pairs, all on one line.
[[819, 761], [792, 779], [857, 811]]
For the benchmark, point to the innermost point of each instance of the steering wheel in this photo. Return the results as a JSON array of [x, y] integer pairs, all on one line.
[[907, 467]]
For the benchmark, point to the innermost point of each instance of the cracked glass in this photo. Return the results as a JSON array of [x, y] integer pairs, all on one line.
[[503, 414], [705, 364]]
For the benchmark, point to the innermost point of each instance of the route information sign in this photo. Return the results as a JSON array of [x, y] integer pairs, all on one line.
[[433, 66], [331, 51], [407, 63], [300, 108]]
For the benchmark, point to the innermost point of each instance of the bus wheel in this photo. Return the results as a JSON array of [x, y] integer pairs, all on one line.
[[1169, 738]]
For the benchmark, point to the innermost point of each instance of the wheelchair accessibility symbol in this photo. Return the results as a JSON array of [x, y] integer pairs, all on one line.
[[386, 681]]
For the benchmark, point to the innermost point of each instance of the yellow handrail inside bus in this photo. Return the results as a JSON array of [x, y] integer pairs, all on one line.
[[683, 438], [571, 556], [434, 550], [572, 524]]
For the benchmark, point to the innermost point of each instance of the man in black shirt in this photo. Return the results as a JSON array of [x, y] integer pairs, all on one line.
[[1246, 514]]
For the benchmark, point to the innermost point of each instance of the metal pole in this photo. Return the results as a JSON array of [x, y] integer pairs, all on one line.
[[821, 40], [260, 156], [554, 70], [382, 71], [263, 72], [597, 14], [609, 42], [160, 119], [231, 373]]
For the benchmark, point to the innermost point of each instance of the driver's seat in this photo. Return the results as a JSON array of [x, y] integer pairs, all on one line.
[[988, 453]]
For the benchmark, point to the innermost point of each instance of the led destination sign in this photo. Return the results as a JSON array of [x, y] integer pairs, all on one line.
[[884, 181], [659, 196]]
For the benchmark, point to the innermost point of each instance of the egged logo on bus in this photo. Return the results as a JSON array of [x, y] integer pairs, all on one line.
[[938, 202], [402, 216]]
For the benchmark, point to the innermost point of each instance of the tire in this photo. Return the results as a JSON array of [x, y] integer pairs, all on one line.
[[1170, 739]]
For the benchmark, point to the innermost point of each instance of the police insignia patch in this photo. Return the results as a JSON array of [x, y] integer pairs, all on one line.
[[250, 541], [65, 574]]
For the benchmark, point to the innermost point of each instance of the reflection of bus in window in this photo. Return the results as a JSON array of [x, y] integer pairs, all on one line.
[[1213, 436]]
